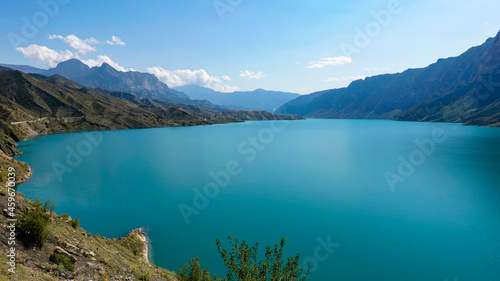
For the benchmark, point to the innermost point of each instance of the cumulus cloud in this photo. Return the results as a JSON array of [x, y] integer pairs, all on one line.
[[200, 77], [49, 57], [344, 78], [82, 46], [251, 74], [105, 59], [115, 40], [327, 61]]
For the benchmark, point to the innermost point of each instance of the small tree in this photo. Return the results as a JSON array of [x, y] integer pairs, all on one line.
[[33, 224], [242, 263], [193, 272]]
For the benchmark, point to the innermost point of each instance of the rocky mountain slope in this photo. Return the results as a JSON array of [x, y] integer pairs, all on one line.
[[431, 88]]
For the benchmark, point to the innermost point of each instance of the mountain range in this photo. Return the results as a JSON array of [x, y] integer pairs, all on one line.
[[24, 68], [37, 104], [144, 85], [458, 89], [250, 100]]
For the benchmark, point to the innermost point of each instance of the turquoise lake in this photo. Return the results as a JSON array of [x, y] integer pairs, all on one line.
[[313, 182]]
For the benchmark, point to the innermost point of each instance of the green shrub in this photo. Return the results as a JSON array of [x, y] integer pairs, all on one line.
[[62, 260], [75, 223], [243, 265], [32, 225], [144, 277], [193, 272], [64, 217]]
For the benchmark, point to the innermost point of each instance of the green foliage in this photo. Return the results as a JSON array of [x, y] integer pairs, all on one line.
[[243, 265], [133, 243], [75, 223], [33, 224], [144, 277], [64, 217], [62, 261], [47, 205], [193, 272]]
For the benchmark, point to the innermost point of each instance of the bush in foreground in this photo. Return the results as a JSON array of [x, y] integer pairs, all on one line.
[[63, 261], [243, 265], [32, 227]]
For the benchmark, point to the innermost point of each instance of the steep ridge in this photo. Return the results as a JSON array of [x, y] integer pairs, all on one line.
[[477, 103], [386, 96]]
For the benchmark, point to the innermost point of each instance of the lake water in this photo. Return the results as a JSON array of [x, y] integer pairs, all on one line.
[[330, 187]]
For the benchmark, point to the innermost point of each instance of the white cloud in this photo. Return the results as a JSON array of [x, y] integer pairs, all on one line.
[[344, 78], [105, 59], [251, 74], [323, 62], [200, 77], [45, 55], [115, 40], [82, 46]]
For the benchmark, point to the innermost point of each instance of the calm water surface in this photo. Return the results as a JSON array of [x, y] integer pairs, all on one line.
[[311, 181]]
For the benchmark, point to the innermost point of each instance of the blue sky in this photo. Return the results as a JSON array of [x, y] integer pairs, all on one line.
[[297, 46]]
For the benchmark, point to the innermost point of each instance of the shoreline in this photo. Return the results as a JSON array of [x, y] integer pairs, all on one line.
[[146, 253]]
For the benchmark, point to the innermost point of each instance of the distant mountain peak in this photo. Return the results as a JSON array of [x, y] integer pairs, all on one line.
[[144, 85], [106, 65], [73, 63], [108, 68], [70, 69]]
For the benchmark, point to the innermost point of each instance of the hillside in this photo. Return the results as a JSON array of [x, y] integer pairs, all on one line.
[[57, 105], [388, 96], [260, 100], [462, 106]]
